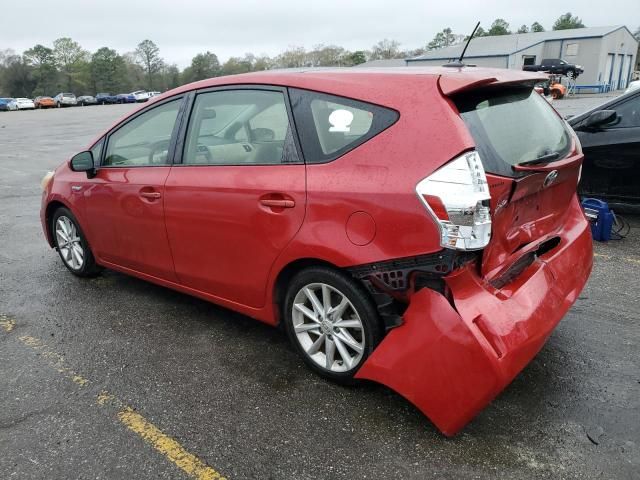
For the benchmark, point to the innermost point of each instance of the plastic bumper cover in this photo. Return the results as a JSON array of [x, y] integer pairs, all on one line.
[[450, 363]]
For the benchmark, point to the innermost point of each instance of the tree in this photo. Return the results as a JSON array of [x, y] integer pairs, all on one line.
[[536, 27], [355, 58], [203, 65], [43, 62], [567, 21], [292, 57], [148, 55], [386, 49], [18, 76], [327, 56], [236, 65], [108, 71], [445, 38], [70, 58], [523, 29], [499, 27]]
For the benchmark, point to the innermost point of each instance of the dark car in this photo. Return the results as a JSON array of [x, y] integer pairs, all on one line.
[[4, 104], [556, 65], [126, 98], [103, 98], [610, 137], [85, 100]]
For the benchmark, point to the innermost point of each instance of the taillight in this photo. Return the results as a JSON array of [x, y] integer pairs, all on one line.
[[457, 197]]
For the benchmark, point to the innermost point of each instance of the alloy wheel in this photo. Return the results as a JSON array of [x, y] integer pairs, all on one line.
[[328, 327], [69, 243]]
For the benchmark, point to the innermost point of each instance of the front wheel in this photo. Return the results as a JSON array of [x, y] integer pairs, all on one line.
[[72, 245], [331, 321]]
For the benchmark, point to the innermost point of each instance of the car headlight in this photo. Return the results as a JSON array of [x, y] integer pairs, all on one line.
[[46, 180]]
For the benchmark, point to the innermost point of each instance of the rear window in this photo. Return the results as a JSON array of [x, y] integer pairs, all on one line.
[[330, 126], [513, 126]]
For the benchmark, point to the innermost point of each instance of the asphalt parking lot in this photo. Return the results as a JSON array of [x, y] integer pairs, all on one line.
[[116, 378]]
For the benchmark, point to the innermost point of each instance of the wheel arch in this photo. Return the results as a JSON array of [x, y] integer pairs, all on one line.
[[286, 274]]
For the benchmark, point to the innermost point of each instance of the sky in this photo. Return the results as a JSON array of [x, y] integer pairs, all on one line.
[[183, 28]]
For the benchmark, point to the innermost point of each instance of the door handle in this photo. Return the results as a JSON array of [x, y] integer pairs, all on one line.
[[276, 203], [151, 195]]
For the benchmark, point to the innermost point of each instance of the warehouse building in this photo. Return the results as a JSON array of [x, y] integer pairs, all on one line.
[[607, 54]]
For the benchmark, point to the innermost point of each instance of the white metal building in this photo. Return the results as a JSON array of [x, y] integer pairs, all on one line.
[[607, 54]]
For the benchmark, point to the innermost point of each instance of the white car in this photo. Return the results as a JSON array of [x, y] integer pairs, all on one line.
[[65, 100], [633, 86], [153, 94], [140, 95], [25, 104]]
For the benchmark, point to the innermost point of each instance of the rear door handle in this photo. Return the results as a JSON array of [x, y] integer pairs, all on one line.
[[275, 203], [151, 195]]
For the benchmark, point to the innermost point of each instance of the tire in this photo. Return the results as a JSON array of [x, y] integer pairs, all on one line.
[[78, 257], [348, 345]]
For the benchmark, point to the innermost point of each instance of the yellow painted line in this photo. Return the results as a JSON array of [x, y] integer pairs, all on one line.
[[7, 323], [171, 449], [152, 435], [632, 260]]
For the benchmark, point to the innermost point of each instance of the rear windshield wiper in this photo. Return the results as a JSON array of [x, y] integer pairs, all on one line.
[[549, 157]]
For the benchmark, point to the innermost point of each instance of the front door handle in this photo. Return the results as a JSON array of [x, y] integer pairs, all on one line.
[[151, 195], [277, 203]]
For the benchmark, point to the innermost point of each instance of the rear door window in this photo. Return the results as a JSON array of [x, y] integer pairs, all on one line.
[[513, 126], [330, 126]]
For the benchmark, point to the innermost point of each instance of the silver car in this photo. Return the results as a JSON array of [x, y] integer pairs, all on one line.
[[65, 100]]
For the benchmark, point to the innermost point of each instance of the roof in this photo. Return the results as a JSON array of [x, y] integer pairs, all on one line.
[[393, 62], [503, 45], [356, 81]]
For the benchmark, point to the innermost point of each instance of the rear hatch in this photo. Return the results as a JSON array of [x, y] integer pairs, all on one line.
[[532, 161]]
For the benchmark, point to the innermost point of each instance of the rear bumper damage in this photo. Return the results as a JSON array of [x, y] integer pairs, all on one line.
[[450, 362]]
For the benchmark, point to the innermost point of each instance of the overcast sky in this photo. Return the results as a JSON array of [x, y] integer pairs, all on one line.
[[183, 28]]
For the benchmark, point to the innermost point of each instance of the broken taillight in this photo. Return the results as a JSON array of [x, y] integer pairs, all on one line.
[[457, 197]]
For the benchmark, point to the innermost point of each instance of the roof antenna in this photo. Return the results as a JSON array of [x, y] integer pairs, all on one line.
[[458, 63]]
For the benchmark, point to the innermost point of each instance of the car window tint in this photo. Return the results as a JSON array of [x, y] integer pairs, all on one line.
[[330, 126], [145, 139], [239, 127], [629, 113]]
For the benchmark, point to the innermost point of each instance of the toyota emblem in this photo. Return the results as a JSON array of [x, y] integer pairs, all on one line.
[[550, 178]]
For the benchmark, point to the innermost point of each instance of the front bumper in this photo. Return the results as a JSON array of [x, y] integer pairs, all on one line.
[[450, 362]]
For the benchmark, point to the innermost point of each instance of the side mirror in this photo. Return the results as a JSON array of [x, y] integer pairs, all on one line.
[[83, 162], [600, 118]]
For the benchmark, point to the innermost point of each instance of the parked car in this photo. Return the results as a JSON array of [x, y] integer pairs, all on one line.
[[140, 95], [126, 98], [12, 104], [105, 98], [632, 86], [24, 104], [85, 100], [556, 65], [4, 104], [44, 102], [610, 138], [65, 100], [354, 209], [153, 94]]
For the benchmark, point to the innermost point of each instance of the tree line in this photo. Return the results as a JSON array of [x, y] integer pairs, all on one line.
[[66, 66]]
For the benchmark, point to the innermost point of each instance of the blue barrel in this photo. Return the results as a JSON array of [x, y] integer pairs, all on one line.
[[601, 218]]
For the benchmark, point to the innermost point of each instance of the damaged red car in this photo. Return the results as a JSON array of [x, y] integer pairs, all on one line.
[[418, 227]]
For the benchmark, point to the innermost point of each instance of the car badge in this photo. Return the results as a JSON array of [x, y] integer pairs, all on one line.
[[551, 177]]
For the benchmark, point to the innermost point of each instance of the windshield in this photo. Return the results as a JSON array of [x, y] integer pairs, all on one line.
[[513, 126]]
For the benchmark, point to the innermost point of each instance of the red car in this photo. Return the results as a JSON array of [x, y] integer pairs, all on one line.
[[415, 227]]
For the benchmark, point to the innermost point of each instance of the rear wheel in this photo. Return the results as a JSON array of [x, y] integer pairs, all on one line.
[[331, 322], [72, 245]]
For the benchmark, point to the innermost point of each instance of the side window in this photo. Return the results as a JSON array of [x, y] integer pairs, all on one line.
[[144, 140], [96, 151], [239, 127], [628, 113], [330, 126]]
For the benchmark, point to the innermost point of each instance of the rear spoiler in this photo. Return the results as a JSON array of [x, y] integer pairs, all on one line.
[[452, 82]]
